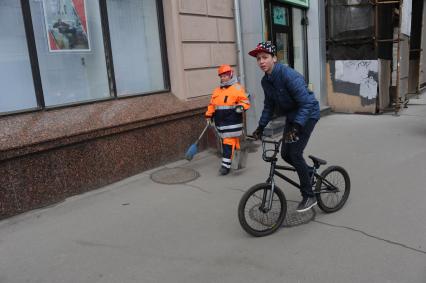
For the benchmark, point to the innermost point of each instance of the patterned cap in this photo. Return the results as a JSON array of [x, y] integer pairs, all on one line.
[[266, 46]]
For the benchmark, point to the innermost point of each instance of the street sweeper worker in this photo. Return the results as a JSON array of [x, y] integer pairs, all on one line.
[[226, 107]]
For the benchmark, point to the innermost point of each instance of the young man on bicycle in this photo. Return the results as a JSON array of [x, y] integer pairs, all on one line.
[[226, 107], [286, 89]]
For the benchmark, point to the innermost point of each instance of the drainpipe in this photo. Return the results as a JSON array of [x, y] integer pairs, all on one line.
[[239, 42]]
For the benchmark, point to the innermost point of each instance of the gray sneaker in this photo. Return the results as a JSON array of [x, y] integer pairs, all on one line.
[[306, 204]]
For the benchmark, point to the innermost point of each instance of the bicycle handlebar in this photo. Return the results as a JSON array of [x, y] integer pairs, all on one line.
[[265, 141], [275, 150]]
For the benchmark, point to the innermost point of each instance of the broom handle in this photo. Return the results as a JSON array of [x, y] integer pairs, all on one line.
[[202, 133]]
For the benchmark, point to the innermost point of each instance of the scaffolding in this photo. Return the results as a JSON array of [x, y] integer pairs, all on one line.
[[376, 30], [398, 100]]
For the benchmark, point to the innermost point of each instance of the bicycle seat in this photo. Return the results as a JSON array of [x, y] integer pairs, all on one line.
[[317, 161]]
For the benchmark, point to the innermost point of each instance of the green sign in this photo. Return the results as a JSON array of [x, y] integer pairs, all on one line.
[[280, 15], [303, 3]]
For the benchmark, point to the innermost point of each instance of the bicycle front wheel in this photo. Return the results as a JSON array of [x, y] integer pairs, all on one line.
[[254, 213], [332, 190]]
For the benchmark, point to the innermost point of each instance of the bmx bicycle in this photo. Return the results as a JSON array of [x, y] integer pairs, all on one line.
[[263, 207]]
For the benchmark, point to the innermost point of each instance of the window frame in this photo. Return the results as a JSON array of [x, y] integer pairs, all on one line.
[[35, 69]]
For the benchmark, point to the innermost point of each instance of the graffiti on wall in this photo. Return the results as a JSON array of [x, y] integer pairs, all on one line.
[[356, 78]]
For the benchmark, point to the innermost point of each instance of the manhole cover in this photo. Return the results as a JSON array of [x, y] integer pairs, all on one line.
[[176, 175], [294, 218], [265, 219]]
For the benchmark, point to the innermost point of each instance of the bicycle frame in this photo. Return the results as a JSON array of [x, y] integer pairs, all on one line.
[[263, 208], [273, 171]]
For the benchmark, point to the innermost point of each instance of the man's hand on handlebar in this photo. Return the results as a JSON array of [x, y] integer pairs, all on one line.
[[292, 135]]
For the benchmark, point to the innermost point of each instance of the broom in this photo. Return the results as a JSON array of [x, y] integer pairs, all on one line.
[[193, 149]]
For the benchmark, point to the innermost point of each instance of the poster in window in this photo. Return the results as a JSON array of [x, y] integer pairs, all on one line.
[[280, 15], [66, 25]]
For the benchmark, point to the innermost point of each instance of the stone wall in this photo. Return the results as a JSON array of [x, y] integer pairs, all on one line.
[[204, 40]]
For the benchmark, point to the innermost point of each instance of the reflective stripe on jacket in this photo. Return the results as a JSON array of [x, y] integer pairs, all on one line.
[[222, 107]]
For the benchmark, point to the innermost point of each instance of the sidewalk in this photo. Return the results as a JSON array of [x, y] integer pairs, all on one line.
[[138, 230]]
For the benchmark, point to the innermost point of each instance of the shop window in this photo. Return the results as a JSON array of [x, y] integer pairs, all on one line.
[[17, 85], [65, 52], [135, 43], [70, 50]]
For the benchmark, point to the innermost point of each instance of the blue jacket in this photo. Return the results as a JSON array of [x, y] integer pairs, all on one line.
[[287, 89]]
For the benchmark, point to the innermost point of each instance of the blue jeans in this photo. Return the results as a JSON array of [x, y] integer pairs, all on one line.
[[292, 153]]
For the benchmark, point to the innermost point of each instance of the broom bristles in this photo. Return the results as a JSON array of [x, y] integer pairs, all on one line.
[[192, 150]]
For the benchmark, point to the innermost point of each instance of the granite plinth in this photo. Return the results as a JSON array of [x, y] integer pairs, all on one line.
[[48, 156]]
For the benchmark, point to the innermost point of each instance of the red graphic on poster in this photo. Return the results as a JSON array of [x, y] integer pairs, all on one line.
[[52, 42], [79, 8]]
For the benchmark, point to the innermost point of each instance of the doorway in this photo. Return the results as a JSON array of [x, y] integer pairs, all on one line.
[[280, 30]]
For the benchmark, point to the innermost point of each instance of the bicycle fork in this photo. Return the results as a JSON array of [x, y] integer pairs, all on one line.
[[267, 202]]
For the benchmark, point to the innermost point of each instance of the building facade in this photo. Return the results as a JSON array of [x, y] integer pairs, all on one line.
[[96, 91]]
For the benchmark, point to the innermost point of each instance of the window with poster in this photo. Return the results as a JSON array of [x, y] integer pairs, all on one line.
[[69, 52]]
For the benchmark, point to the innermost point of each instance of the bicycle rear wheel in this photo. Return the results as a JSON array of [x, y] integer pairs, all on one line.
[[333, 190], [256, 220]]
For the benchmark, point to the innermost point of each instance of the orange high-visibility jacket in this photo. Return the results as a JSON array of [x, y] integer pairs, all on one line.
[[222, 106]]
